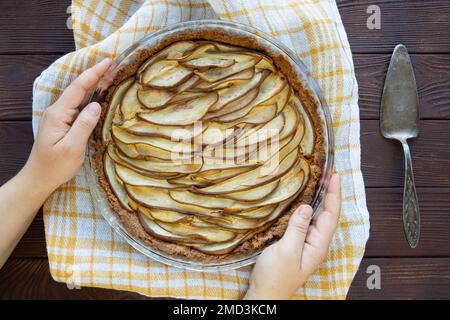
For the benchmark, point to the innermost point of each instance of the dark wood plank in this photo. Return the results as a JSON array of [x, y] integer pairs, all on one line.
[[432, 76], [402, 278], [423, 26], [386, 230], [35, 26], [40, 26], [17, 73], [405, 278], [382, 159], [16, 140]]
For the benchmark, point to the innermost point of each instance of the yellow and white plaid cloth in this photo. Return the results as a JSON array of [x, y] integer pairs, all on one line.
[[83, 249]]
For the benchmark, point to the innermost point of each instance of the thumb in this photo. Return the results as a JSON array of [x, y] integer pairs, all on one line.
[[84, 124], [295, 235]]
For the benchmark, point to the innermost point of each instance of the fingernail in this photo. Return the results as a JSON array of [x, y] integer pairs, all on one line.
[[304, 213], [93, 108]]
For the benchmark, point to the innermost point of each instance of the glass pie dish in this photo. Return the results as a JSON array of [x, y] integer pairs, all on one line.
[[130, 55]]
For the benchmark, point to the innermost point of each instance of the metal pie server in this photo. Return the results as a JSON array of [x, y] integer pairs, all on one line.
[[399, 119]]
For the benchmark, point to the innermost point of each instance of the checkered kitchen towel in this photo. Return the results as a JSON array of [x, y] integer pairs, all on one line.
[[81, 245]]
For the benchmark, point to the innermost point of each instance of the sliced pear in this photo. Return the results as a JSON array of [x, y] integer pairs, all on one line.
[[164, 215], [175, 147], [130, 104], [159, 198], [283, 98], [217, 175], [143, 128], [257, 213], [114, 103], [234, 106], [208, 61], [153, 98], [233, 93], [171, 78], [289, 185], [159, 166], [216, 74], [254, 177], [203, 86], [307, 144], [208, 234], [198, 52], [186, 96], [265, 64], [269, 130], [183, 113], [270, 87], [115, 184], [151, 227], [292, 122], [131, 177], [217, 133], [257, 193], [188, 180], [223, 247], [179, 47]]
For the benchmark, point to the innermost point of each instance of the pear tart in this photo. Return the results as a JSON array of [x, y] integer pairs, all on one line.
[[205, 146]]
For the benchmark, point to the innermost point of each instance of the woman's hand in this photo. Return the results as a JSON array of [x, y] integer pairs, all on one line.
[[60, 145], [57, 154], [286, 265]]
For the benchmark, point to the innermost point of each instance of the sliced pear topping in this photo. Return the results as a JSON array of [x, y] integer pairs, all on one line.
[[236, 91], [159, 198], [153, 98], [216, 74], [257, 213], [233, 106], [183, 113], [155, 230], [164, 215], [209, 60], [112, 109], [115, 184], [176, 147], [143, 128], [130, 104], [253, 177], [307, 144], [169, 77], [256, 194], [177, 48], [208, 234], [269, 88], [203, 86], [131, 177], [215, 185]]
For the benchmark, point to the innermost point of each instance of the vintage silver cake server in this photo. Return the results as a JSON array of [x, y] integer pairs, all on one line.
[[399, 119]]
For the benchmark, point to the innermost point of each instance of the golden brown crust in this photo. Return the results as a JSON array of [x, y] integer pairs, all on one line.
[[268, 233]]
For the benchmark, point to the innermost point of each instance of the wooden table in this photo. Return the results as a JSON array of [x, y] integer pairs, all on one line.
[[33, 34]]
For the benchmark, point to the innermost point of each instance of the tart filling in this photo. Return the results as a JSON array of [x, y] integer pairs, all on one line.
[[206, 146]]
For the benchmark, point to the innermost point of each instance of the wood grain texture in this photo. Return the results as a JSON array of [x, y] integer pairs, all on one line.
[[16, 140], [382, 159], [404, 278], [432, 77], [401, 278], [35, 26], [40, 26], [17, 73], [423, 26]]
